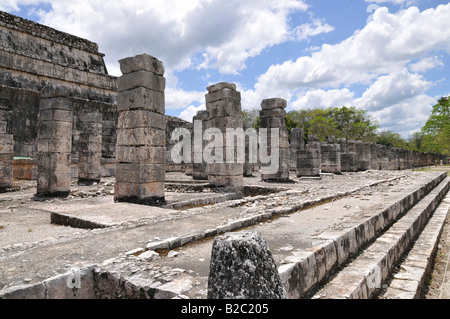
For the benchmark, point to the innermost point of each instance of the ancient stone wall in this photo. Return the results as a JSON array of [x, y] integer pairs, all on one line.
[[33, 56]]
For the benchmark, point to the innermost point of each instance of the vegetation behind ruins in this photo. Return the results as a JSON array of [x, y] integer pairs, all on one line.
[[354, 124]]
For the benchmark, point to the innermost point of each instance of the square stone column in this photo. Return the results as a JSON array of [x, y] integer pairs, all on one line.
[[248, 166], [199, 169], [273, 116], [54, 142], [331, 156], [223, 104], [141, 132], [6, 153], [297, 144], [90, 142]]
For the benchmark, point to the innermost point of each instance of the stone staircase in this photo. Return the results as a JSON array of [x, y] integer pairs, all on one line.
[[396, 259]]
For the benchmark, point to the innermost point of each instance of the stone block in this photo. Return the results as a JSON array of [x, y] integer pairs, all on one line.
[[225, 108], [141, 98], [57, 103], [142, 62], [55, 115], [223, 95], [308, 163], [221, 86], [143, 154], [275, 103], [141, 119], [143, 79], [273, 122], [141, 137], [242, 267], [273, 113], [140, 173]]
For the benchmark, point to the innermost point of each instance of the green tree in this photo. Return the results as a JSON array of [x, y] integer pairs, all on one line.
[[437, 128], [391, 139], [353, 124]]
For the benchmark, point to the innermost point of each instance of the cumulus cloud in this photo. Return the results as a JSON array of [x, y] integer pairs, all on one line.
[[308, 30], [426, 64], [384, 46], [323, 99], [191, 111], [392, 89], [219, 34]]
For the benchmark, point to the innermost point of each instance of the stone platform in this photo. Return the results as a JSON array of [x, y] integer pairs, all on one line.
[[165, 253]]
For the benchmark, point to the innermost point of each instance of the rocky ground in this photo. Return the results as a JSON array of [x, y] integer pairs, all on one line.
[[24, 222]]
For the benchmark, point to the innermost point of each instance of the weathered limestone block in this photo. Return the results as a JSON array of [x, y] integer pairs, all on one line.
[[141, 136], [273, 116], [54, 142], [242, 267], [222, 98], [90, 153], [6, 154], [362, 162], [308, 163], [331, 158], [248, 166], [297, 144], [199, 169]]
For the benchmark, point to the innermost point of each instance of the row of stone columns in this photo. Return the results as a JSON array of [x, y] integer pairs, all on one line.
[[141, 138], [6, 153]]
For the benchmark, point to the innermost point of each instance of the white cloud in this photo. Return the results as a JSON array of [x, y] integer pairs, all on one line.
[[392, 89], [323, 99], [426, 64], [308, 30], [191, 111], [220, 34], [384, 46], [407, 116]]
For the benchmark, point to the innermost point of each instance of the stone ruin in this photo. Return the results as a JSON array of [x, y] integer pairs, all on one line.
[[69, 119], [63, 115]]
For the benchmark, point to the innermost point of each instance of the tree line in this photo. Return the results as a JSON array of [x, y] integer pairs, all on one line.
[[354, 124]]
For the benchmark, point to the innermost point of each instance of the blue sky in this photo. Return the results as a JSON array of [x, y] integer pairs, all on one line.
[[388, 57]]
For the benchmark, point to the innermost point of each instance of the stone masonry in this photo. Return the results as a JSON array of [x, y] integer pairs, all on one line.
[[242, 267], [54, 142], [273, 116], [297, 144], [331, 156], [89, 170], [6, 153], [309, 160], [199, 169], [223, 104], [141, 137]]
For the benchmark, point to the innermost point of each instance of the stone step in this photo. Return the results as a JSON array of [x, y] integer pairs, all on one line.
[[364, 275], [409, 281], [305, 270]]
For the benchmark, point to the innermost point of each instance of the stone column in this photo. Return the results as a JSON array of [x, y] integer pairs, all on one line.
[[362, 162], [90, 153], [273, 116], [348, 157], [141, 133], [309, 160], [248, 167], [6, 153], [54, 142], [199, 169], [331, 156], [297, 144], [223, 104]]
